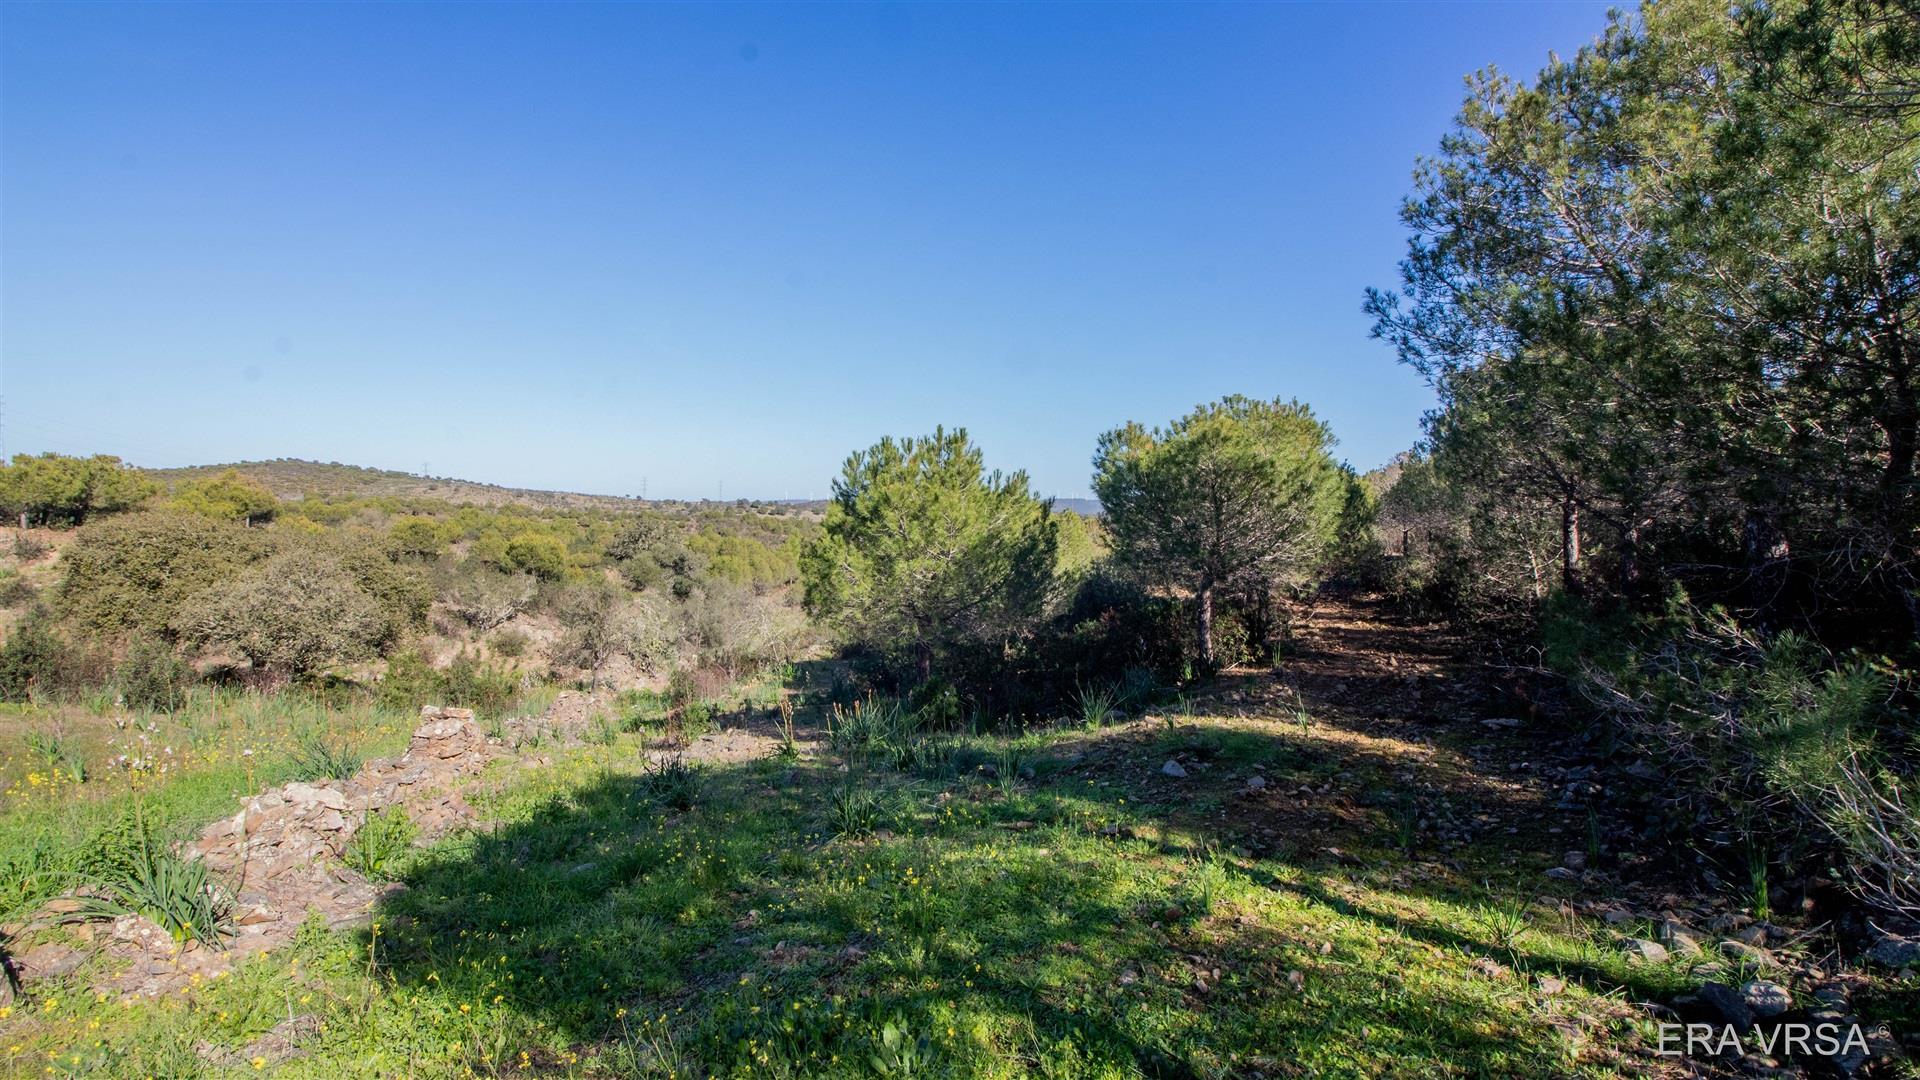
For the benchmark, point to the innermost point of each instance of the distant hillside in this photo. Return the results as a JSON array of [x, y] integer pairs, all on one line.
[[1083, 507], [291, 478]]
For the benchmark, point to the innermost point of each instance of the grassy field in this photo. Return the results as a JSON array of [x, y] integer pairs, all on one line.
[[71, 775], [999, 907]]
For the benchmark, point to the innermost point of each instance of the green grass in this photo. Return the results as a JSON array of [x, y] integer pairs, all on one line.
[[175, 772], [1055, 924]]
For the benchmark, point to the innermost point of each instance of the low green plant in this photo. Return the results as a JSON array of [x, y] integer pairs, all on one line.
[[317, 757], [672, 781], [1010, 761], [603, 731], [511, 643], [897, 1052], [1180, 713], [854, 809], [58, 755], [1757, 891], [1208, 884], [789, 744], [869, 725], [1098, 705], [1406, 824], [382, 843], [1506, 923], [178, 894], [694, 719], [153, 677], [640, 709]]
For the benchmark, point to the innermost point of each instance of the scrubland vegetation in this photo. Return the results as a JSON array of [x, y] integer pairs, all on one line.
[[1593, 711]]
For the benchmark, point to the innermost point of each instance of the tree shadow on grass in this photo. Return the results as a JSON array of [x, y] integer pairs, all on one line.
[[987, 926]]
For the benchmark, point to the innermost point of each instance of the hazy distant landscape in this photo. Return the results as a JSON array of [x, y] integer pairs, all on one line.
[[1573, 737]]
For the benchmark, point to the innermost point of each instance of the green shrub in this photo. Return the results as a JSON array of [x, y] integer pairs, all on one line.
[[32, 658], [296, 612], [416, 538], [1785, 747], [673, 782], [57, 755], [138, 571], [511, 644], [29, 548], [410, 682], [474, 684], [153, 677], [54, 488], [15, 590], [380, 847], [317, 757], [226, 497], [177, 893], [542, 556]]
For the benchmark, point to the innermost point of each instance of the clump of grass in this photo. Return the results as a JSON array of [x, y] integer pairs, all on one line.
[[1009, 763], [60, 757], [672, 781], [1506, 923], [1180, 713], [1099, 706], [789, 745], [1406, 824], [383, 842], [317, 757], [854, 809], [176, 893], [927, 757], [603, 731], [1758, 893], [1208, 884], [871, 724]]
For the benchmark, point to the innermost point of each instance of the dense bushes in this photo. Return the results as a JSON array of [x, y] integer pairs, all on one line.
[[289, 598], [296, 612], [926, 559], [33, 658], [136, 572], [1237, 495], [410, 681], [226, 497], [53, 489], [1664, 293], [1780, 750]]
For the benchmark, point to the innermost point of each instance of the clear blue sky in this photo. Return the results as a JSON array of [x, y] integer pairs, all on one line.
[[574, 245]]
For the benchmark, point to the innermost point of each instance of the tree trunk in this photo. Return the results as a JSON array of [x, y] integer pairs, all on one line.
[[1765, 550], [1203, 605], [1570, 545], [1630, 560]]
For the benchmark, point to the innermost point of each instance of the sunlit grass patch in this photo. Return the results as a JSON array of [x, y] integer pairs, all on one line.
[[1054, 925]]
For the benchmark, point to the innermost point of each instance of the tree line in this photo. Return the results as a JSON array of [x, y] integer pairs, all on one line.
[[938, 572], [1666, 293]]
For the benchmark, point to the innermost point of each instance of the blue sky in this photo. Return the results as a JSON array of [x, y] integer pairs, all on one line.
[[573, 246]]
